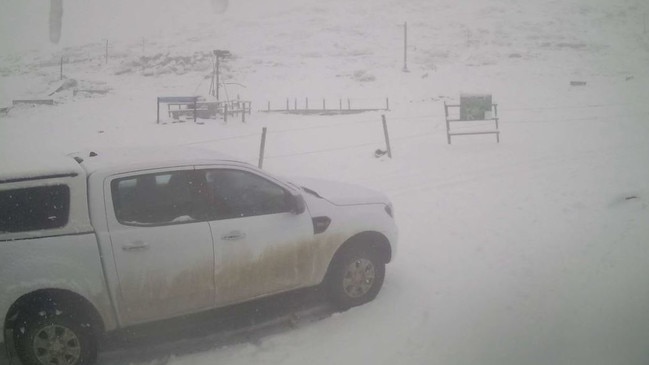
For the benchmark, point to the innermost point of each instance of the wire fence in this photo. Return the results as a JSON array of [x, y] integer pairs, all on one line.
[[434, 119], [305, 104]]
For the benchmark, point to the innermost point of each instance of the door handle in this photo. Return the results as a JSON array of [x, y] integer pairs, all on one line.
[[233, 236], [136, 246]]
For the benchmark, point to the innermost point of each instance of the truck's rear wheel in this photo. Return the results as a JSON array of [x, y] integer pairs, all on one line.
[[54, 339]]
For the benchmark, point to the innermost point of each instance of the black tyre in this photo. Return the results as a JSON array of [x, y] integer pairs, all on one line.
[[54, 339], [356, 277]]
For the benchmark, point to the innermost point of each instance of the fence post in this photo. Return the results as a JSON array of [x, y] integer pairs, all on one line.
[[195, 99], [307, 104], [496, 119], [61, 68], [286, 103], [324, 106], [387, 104], [225, 112], [295, 104], [269, 105], [387, 137], [405, 47], [243, 113], [340, 103], [349, 104], [262, 147], [448, 125], [158, 110]]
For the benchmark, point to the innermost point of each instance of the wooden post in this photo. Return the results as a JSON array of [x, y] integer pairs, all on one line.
[[405, 47], [33, 101], [387, 104], [262, 147], [387, 137], [195, 99], [448, 125], [225, 112], [243, 112], [496, 118], [212, 91]]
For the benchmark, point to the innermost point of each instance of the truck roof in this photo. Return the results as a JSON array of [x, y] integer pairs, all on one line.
[[22, 167], [43, 166], [112, 160]]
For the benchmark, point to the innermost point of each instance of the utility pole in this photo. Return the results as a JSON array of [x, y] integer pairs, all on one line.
[[56, 20], [405, 47], [218, 82], [218, 53]]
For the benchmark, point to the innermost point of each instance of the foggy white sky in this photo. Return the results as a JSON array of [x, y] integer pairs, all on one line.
[[24, 24]]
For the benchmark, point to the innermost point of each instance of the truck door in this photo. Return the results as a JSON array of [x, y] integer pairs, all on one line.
[[260, 246], [163, 251]]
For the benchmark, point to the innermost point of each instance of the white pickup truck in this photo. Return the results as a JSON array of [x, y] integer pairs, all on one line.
[[94, 242]]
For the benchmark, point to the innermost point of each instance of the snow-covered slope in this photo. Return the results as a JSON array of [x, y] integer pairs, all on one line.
[[531, 251]]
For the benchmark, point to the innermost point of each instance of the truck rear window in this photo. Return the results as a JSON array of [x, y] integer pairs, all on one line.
[[153, 199], [35, 208]]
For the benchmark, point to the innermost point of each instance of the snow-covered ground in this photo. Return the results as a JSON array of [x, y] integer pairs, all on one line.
[[531, 251]]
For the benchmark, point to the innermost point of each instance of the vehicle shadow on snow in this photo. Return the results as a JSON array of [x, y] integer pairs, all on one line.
[[156, 343]]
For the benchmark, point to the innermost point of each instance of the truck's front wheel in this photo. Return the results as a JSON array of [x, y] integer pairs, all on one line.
[[54, 339], [356, 277]]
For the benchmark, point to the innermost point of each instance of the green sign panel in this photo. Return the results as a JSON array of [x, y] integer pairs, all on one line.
[[474, 106]]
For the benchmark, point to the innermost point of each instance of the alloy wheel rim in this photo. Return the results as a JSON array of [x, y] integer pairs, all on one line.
[[358, 278], [56, 345]]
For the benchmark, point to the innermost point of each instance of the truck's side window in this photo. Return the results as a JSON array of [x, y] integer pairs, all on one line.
[[233, 193], [35, 208], [152, 199]]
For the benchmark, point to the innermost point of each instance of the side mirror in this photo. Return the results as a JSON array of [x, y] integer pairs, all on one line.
[[297, 203]]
